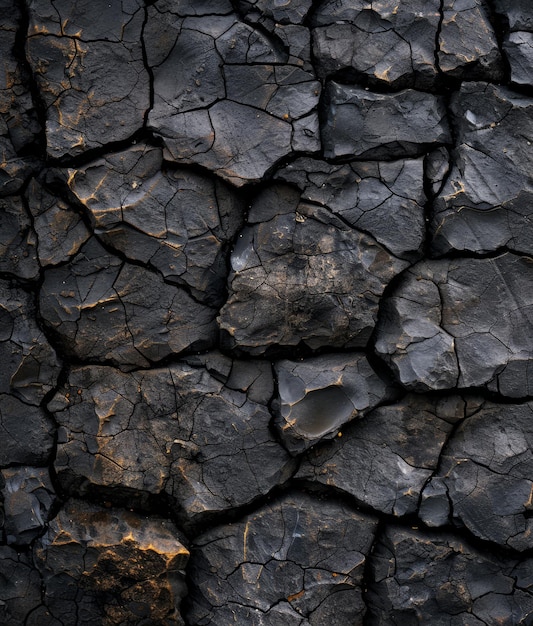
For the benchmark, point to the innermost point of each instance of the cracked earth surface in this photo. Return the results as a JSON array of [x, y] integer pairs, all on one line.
[[266, 312]]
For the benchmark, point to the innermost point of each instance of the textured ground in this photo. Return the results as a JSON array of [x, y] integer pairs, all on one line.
[[266, 312]]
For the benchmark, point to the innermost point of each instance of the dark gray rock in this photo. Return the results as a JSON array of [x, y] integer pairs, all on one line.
[[296, 561], [518, 14], [19, 127], [103, 309], [364, 124], [27, 432], [467, 45], [301, 275], [384, 199], [285, 12], [464, 323], [226, 95], [487, 473], [486, 202], [437, 579], [385, 459], [20, 587], [176, 221], [110, 566], [518, 48], [319, 395], [18, 242], [89, 66], [28, 496], [61, 228], [176, 430], [29, 364], [437, 168]]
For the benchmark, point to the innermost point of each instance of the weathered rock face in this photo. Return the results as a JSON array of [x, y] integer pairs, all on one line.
[[266, 312]]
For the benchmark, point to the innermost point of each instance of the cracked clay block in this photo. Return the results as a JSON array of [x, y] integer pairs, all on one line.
[[176, 430], [296, 561], [89, 66], [302, 275], [464, 323], [385, 459], [439, 579], [486, 202], [319, 395], [226, 95], [176, 221], [405, 44], [103, 309], [20, 587], [361, 123], [485, 479], [118, 566]]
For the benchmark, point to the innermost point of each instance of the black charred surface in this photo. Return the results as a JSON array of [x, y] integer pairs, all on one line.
[[266, 312]]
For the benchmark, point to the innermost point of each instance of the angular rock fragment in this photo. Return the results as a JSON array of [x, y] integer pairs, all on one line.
[[486, 202], [28, 496], [385, 459], [19, 127], [518, 48], [467, 45], [440, 580], [319, 395], [109, 566], [409, 44], [20, 587], [302, 276], [226, 95], [293, 562], [88, 63], [27, 432], [176, 221], [363, 124], [486, 472], [61, 228], [285, 12], [29, 364], [464, 322], [175, 430], [18, 241], [383, 199], [101, 308], [517, 13]]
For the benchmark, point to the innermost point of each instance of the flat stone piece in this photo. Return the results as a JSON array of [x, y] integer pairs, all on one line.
[[365, 124], [301, 275], [383, 199], [317, 396], [20, 587], [295, 561], [467, 45], [385, 458], [18, 242], [393, 44], [28, 496], [175, 221], [284, 12], [487, 471], [429, 578], [19, 127], [517, 13], [175, 430], [464, 322], [104, 309], [486, 202], [27, 432], [88, 64], [29, 364], [114, 565], [375, 40], [238, 122], [518, 48], [61, 229]]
